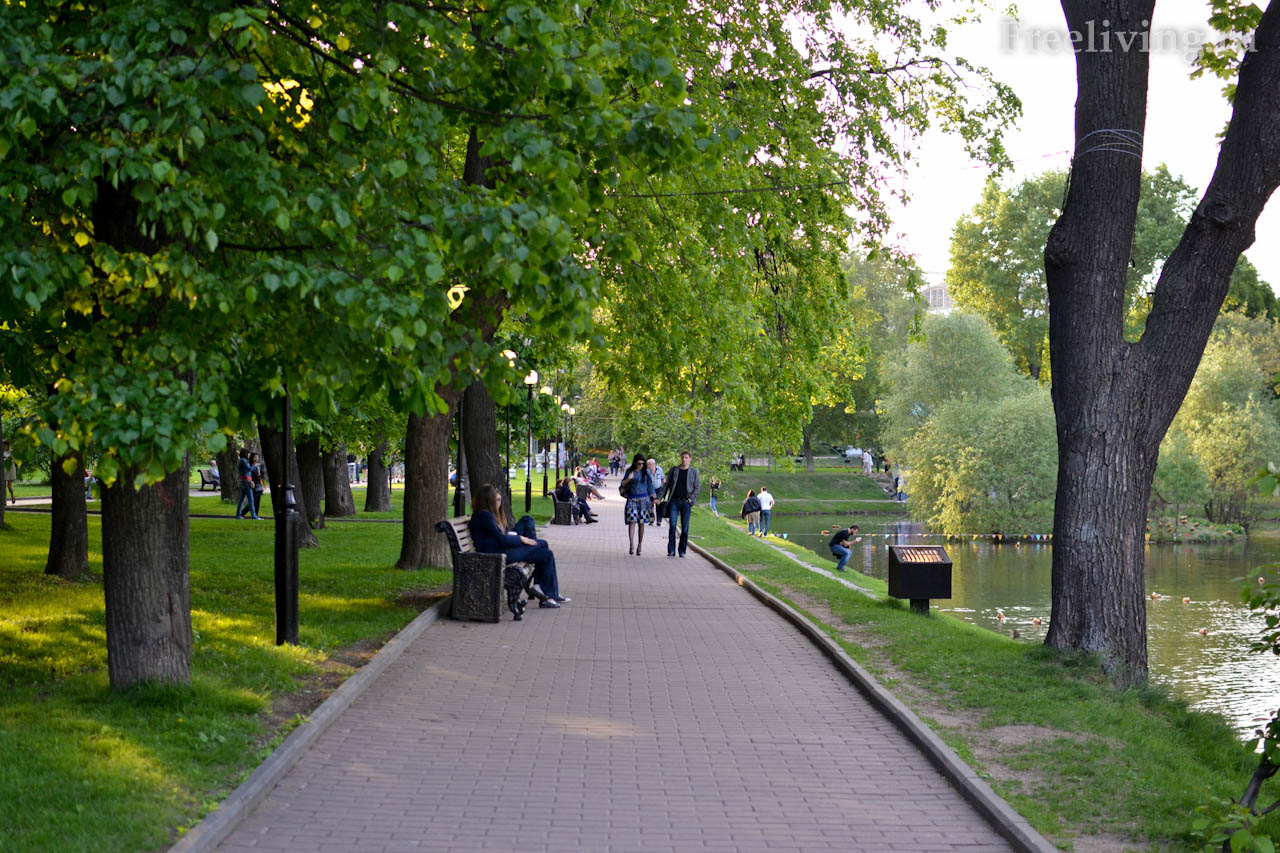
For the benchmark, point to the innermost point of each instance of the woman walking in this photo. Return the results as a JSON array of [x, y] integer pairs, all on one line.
[[256, 472], [637, 487], [751, 511], [244, 470]]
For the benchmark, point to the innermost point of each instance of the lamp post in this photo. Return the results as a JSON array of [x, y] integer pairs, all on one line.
[[546, 460], [529, 381], [286, 544]]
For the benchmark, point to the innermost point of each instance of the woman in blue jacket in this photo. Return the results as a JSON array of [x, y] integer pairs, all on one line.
[[490, 536], [637, 485]]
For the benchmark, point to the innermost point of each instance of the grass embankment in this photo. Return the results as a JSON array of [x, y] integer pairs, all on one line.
[[86, 769], [823, 491], [1073, 755]]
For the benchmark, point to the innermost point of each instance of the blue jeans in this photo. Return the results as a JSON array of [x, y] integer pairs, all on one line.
[[713, 506], [843, 553], [246, 499], [764, 521], [681, 509]]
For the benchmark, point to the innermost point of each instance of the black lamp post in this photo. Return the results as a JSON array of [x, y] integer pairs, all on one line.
[[529, 381], [286, 545]]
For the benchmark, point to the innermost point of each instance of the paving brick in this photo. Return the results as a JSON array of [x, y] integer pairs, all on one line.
[[663, 709]]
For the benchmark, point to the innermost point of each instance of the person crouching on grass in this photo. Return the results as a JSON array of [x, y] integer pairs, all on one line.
[[838, 547]]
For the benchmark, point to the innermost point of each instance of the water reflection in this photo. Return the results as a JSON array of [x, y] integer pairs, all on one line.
[[1005, 587]]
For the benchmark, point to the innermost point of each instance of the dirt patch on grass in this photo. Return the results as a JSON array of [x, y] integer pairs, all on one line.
[[421, 599]]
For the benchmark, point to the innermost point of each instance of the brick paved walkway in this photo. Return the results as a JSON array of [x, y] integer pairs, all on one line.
[[663, 709]]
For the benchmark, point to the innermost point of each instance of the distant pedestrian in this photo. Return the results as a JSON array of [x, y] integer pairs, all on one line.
[[751, 511], [866, 462], [659, 479], [255, 473], [714, 488], [10, 472], [637, 488], [766, 510], [244, 473], [680, 495], [838, 548]]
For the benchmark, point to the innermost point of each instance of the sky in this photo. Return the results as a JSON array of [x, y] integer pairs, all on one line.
[[1184, 117]]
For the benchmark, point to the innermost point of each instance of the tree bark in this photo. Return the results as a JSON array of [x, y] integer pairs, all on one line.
[[480, 444], [311, 473], [269, 435], [426, 488], [4, 473], [228, 477], [808, 453], [338, 501], [1114, 400], [377, 495], [146, 578], [69, 524]]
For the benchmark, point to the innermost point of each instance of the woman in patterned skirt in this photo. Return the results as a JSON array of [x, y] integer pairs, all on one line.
[[637, 487]]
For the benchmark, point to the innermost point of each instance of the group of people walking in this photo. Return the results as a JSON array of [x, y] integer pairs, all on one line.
[[652, 493], [249, 471]]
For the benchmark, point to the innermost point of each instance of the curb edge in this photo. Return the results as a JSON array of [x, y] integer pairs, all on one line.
[[219, 823], [1003, 818]]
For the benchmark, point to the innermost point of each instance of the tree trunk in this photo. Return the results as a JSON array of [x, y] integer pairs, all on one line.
[[1114, 400], [377, 495], [146, 578], [808, 453], [228, 476], [338, 501], [426, 489], [69, 525], [269, 434], [4, 473], [311, 473], [480, 444]]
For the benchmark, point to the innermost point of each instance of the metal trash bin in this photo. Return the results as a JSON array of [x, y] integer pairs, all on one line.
[[919, 573]]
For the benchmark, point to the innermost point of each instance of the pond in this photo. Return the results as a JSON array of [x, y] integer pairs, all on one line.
[[1214, 670]]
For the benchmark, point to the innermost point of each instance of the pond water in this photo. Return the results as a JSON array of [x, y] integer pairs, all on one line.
[[1214, 671]]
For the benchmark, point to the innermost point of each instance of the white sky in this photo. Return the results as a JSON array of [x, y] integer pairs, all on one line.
[[1183, 119]]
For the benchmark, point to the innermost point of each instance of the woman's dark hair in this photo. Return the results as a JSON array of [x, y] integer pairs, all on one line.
[[637, 462], [486, 498], [751, 493]]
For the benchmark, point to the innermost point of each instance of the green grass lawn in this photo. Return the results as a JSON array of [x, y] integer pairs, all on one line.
[[825, 490], [86, 769], [1070, 753]]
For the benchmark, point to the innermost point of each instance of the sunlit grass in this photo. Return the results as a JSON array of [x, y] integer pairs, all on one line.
[[1132, 763], [86, 769], [825, 490]]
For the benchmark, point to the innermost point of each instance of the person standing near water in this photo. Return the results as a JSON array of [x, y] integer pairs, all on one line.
[[766, 510]]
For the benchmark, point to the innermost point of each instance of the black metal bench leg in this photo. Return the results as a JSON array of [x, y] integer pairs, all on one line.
[[513, 583]]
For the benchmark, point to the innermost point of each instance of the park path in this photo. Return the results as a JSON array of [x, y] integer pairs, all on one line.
[[665, 708]]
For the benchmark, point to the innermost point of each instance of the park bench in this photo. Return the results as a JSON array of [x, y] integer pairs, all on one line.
[[207, 481], [479, 580], [564, 512]]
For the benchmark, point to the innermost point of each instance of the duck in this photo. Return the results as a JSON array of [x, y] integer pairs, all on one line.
[[1203, 632], [1000, 615], [1014, 634], [1155, 596], [1036, 621], [1186, 600]]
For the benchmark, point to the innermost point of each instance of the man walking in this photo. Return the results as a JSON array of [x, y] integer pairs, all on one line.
[[681, 494], [656, 474], [838, 548], [766, 510]]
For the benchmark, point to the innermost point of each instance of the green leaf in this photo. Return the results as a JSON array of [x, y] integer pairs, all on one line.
[[161, 169], [27, 126], [211, 240], [398, 168]]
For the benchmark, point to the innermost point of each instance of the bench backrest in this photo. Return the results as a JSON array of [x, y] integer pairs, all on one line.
[[458, 534]]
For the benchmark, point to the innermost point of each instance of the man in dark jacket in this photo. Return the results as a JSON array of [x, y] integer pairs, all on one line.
[[680, 491], [837, 546]]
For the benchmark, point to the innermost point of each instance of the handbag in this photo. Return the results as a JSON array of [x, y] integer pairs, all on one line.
[[661, 509]]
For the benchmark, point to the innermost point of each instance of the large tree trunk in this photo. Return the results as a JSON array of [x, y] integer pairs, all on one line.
[[228, 476], [311, 474], [69, 527], [269, 435], [146, 579], [338, 501], [480, 443], [808, 454], [426, 489], [1114, 400], [377, 495], [4, 488]]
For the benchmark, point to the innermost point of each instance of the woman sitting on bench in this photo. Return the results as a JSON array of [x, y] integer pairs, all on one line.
[[490, 536]]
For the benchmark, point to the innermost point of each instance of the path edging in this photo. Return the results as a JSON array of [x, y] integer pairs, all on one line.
[[217, 825], [1012, 826]]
